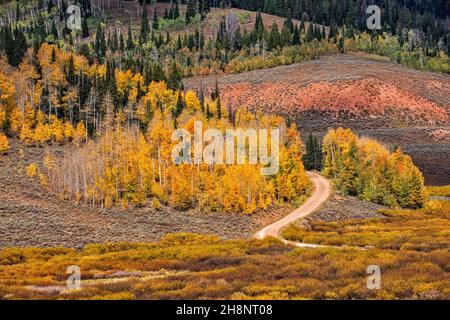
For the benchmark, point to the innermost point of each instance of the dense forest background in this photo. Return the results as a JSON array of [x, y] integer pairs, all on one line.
[[60, 85]]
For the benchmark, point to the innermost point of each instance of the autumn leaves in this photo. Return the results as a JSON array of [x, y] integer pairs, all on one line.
[[365, 168], [132, 166]]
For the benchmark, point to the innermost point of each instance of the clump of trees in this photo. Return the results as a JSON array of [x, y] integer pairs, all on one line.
[[365, 168], [132, 164]]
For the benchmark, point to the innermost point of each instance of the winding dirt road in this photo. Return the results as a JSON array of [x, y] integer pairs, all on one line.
[[322, 190]]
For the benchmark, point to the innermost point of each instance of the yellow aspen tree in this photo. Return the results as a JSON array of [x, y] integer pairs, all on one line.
[[26, 134], [79, 134], [4, 144]]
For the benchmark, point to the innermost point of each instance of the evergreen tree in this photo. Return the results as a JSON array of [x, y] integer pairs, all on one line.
[[202, 99], [179, 106], [176, 11], [155, 21], [274, 37], [18, 16], [219, 103], [313, 157], [100, 42], [144, 25], [310, 33], [130, 44], [84, 28], [19, 47], [191, 10], [71, 71], [54, 30], [341, 44], [175, 77], [204, 8], [208, 112], [296, 36]]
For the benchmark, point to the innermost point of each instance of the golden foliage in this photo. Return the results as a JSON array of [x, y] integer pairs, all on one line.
[[187, 266], [421, 230], [442, 191], [364, 167], [32, 170], [126, 166], [4, 144]]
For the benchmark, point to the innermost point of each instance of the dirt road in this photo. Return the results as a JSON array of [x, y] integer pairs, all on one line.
[[322, 190]]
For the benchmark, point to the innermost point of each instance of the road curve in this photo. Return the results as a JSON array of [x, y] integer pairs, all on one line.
[[322, 190]]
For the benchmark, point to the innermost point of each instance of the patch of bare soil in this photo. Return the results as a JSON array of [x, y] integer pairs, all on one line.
[[339, 207], [31, 216]]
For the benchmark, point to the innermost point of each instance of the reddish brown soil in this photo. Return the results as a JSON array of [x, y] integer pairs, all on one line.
[[340, 87]]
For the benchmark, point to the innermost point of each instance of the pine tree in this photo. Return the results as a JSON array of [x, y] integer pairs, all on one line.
[[274, 37], [18, 16], [202, 99], [191, 10], [84, 28], [219, 103], [178, 107], [313, 157], [208, 112], [341, 44], [130, 44], [121, 43], [204, 8], [176, 11], [155, 21], [175, 76], [54, 30], [296, 36], [333, 32], [100, 42], [144, 25], [71, 71]]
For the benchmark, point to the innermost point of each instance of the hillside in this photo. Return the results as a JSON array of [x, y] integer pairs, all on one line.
[[399, 106], [347, 89], [224, 149]]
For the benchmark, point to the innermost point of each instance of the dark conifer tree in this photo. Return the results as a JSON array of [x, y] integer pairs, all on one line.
[[84, 28], [296, 36], [155, 24], [144, 25], [130, 44], [71, 71], [191, 10]]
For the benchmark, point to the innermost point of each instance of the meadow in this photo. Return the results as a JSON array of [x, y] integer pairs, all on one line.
[[193, 266]]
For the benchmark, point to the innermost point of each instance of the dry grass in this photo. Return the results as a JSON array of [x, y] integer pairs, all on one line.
[[423, 230], [188, 266], [442, 191]]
